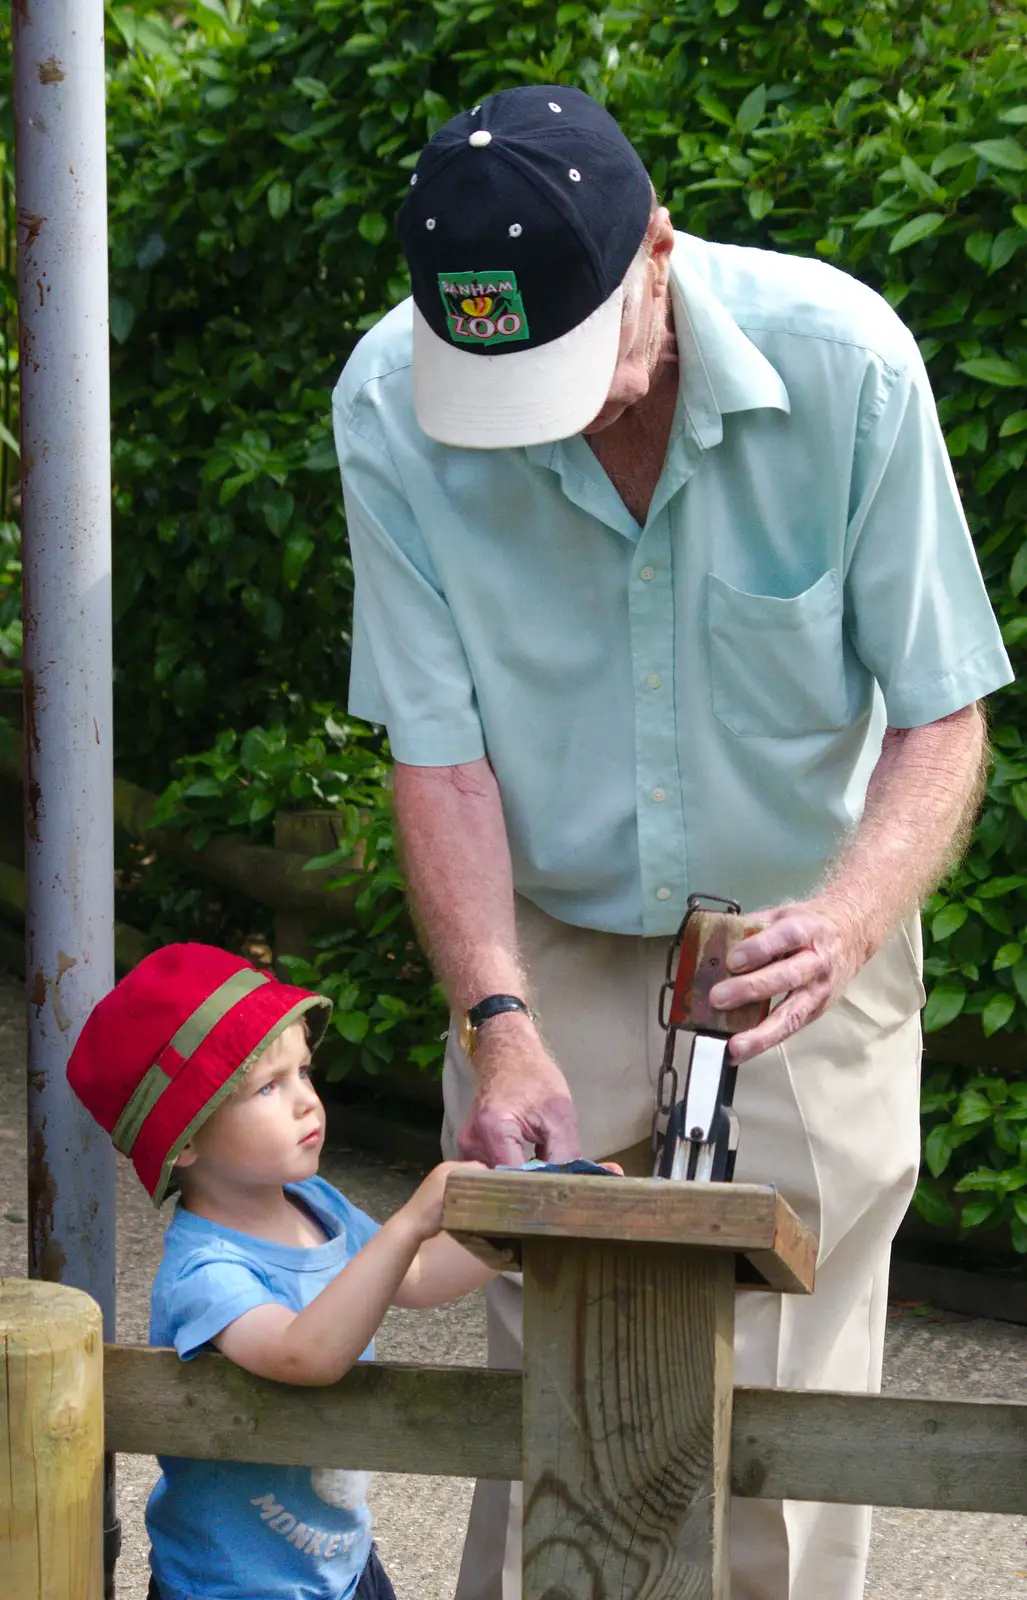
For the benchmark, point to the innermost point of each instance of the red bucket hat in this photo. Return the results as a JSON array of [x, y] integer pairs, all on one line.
[[160, 1052]]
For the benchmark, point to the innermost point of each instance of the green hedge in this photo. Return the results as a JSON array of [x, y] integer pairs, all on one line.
[[258, 153]]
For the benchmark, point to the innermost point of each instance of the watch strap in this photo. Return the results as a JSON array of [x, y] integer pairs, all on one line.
[[493, 1006]]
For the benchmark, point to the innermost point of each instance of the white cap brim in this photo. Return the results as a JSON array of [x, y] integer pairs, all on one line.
[[521, 397]]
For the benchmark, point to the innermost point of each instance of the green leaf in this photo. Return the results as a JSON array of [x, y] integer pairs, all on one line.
[[944, 1003], [915, 229], [952, 156], [918, 179], [372, 227], [278, 508], [997, 1013], [1016, 115], [1016, 422], [978, 1212], [352, 1025], [993, 369], [978, 248], [1019, 975], [932, 1204], [1018, 570], [948, 920], [760, 203], [311, 88], [1003, 153], [1007, 956], [715, 109], [938, 1149], [123, 315], [279, 199], [752, 109], [1005, 247], [997, 888]]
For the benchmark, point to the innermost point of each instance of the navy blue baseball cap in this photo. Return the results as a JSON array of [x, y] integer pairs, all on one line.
[[523, 217]]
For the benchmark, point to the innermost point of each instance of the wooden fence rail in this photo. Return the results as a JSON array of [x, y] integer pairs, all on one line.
[[624, 1425], [786, 1444]]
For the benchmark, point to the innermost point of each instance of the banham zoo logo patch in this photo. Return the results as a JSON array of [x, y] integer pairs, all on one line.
[[483, 308]]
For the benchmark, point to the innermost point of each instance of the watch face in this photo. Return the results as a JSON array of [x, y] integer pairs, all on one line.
[[466, 1036]]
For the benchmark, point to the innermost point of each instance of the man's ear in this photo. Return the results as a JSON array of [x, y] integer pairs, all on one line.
[[186, 1156], [659, 236]]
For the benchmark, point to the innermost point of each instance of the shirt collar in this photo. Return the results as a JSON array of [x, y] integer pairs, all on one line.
[[721, 369]]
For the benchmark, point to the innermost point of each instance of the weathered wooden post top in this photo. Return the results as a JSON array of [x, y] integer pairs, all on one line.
[[629, 1288]]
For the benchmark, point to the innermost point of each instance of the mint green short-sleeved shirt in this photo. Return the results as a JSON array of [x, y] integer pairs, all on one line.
[[695, 705]]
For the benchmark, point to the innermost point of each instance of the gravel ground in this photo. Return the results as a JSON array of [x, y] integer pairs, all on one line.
[[916, 1555]]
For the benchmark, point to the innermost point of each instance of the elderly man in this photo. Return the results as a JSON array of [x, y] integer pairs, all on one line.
[[662, 586]]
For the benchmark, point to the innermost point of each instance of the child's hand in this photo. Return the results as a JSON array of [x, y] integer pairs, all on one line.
[[425, 1205]]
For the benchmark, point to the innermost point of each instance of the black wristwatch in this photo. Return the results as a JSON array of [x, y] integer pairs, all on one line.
[[492, 1006]]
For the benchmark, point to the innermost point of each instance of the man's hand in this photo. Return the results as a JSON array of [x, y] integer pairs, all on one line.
[[808, 952], [522, 1099]]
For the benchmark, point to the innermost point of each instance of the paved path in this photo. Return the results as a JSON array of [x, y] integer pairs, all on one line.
[[917, 1555]]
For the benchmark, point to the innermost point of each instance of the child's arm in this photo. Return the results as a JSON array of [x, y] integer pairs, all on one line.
[[441, 1270], [321, 1342]]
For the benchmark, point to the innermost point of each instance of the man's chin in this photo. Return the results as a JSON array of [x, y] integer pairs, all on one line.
[[604, 418]]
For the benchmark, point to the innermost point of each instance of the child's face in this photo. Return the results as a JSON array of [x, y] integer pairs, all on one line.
[[270, 1131]]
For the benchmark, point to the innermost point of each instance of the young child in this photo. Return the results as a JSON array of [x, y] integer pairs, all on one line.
[[198, 1065]]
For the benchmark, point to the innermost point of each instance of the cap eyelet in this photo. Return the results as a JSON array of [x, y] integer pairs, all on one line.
[[475, 110], [430, 224], [554, 107], [574, 175], [515, 230], [413, 179]]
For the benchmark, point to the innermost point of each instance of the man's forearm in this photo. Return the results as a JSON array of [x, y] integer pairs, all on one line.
[[922, 801], [456, 858]]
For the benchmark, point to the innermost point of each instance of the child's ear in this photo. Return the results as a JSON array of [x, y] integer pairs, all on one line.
[[186, 1156]]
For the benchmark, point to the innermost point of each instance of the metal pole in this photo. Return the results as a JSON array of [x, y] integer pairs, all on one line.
[[60, 169]]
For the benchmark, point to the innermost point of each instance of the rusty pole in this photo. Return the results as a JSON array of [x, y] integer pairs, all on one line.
[[61, 182]]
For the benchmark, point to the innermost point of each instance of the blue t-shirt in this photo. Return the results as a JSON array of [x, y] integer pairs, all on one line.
[[229, 1530]]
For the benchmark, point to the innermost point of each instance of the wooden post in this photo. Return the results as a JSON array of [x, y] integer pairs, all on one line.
[[628, 1367], [51, 1471], [304, 834], [628, 1370]]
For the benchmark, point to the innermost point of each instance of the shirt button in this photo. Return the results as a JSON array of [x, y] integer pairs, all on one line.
[[658, 795], [654, 681], [663, 894], [646, 573]]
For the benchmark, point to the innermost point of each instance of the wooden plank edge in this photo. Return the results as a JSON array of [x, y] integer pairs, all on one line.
[[504, 1204], [448, 1421], [885, 1450], [754, 1269]]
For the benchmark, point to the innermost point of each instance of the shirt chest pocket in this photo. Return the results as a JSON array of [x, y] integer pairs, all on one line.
[[777, 667]]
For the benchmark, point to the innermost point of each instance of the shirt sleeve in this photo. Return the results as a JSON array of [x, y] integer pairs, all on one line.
[[408, 670], [917, 611], [210, 1292]]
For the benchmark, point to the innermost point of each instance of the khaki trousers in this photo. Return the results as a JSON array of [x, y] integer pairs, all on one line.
[[831, 1118]]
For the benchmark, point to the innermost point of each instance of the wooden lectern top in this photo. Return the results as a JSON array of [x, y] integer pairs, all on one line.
[[491, 1212]]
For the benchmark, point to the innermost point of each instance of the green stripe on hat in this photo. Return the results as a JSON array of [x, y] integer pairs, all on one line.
[[190, 1036], [321, 1009], [144, 1097]]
